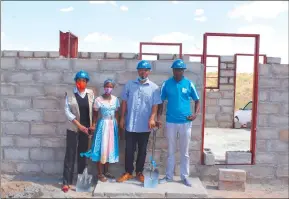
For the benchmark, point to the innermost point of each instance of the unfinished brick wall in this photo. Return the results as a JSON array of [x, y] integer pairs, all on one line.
[[32, 108]]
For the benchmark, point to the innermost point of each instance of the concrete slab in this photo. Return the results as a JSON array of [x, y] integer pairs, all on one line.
[[135, 189]]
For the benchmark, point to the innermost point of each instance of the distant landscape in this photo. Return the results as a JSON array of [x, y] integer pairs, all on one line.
[[244, 87]]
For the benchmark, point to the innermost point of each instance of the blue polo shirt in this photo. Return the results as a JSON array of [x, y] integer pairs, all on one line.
[[179, 96]]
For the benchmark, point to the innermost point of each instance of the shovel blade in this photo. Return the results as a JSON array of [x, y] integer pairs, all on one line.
[[151, 178], [84, 182]]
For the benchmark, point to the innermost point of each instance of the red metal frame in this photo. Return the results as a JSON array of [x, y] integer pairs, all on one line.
[[141, 44], [235, 74], [255, 87], [68, 44], [219, 66]]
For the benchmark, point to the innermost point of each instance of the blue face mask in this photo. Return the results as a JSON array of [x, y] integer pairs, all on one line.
[[142, 78]]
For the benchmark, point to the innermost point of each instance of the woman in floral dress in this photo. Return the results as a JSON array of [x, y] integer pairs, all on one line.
[[104, 148]]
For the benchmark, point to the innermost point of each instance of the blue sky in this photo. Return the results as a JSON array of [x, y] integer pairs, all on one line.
[[119, 26]]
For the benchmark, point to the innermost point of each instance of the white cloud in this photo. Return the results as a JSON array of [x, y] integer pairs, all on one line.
[[199, 12], [175, 2], [2, 35], [97, 37], [173, 37], [104, 2], [123, 8], [259, 9], [69, 9], [200, 19], [147, 19]]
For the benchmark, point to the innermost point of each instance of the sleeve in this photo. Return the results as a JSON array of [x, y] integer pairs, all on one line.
[[194, 93], [157, 96], [70, 116], [125, 92], [163, 94], [96, 105]]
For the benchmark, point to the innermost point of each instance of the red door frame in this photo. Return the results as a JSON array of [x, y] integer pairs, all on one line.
[[255, 87], [141, 44], [235, 75]]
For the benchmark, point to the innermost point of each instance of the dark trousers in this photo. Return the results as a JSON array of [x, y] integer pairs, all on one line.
[[131, 140], [75, 143]]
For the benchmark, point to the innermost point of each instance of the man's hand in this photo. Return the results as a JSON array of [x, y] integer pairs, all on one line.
[[192, 117], [159, 124], [121, 123], [83, 129], [152, 123], [92, 128]]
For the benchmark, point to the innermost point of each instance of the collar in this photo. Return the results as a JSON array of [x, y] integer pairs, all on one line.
[[146, 82], [75, 90]]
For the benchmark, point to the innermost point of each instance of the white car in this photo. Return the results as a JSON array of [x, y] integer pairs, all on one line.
[[244, 115]]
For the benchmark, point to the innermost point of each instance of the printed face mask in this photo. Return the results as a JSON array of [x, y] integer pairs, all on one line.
[[81, 86], [107, 90]]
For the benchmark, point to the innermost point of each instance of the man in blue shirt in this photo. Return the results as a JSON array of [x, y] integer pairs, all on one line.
[[178, 91], [140, 99]]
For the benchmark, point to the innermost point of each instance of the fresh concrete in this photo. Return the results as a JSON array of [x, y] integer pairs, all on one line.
[[134, 189]]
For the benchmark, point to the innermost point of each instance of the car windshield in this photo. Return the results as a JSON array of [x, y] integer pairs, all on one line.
[[248, 106]]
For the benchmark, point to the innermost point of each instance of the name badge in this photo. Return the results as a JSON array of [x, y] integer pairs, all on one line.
[[184, 90]]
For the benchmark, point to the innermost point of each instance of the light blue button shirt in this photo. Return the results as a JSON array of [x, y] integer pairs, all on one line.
[[179, 96], [140, 100]]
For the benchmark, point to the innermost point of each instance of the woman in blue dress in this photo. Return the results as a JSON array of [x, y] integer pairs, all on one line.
[[104, 149]]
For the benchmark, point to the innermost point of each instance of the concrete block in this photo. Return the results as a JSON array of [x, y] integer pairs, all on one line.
[[232, 175], [227, 73], [211, 102], [213, 94], [131, 65], [223, 66], [157, 158], [195, 145], [7, 141], [118, 90], [7, 89], [26, 54], [162, 66], [261, 172], [58, 64], [266, 133], [276, 146], [263, 95], [268, 108], [29, 90], [231, 80], [41, 154], [209, 157], [45, 103], [158, 79], [227, 59], [227, 94], [99, 78], [48, 77], [166, 56], [7, 116], [40, 54], [8, 63], [53, 142], [226, 102], [232, 186], [282, 158], [112, 55], [273, 60], [112, 65], [54, 116], [225, 124], [276, 96], [17, 103], [16, 128], [95, 55], [19, 77], [55, 91], [195, 157], [29, 116], [238, 157], [266, 158], [124, 77], [60, 153], [16, 154], [53, 167], [261, 145], [83, 54], [264, 69], [43, 129], [31, 64], [224, 87], [213, 109], [230, 65], [53, 54], [27, 142], [278, 120], [227, 109], [8, 167], [265, 82], [282, 170], [28, 168], [85, 64], [10, 53], [210, 116], [128, 56], [194, 67], [283, 135], [263, 120], [224, 80]]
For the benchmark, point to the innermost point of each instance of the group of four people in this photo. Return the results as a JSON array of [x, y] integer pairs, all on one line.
[[141, 110]]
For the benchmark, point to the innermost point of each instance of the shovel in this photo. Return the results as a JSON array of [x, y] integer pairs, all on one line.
[[85, 181], [151, 175]]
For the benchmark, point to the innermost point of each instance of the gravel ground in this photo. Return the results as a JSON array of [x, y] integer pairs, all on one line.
[[45, 187]]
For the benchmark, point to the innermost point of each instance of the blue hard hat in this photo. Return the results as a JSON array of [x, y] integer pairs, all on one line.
[[144, 64], [81, 74], [179, 64]]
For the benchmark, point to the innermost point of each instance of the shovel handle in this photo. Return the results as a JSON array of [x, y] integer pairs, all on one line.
[[154, 143]]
